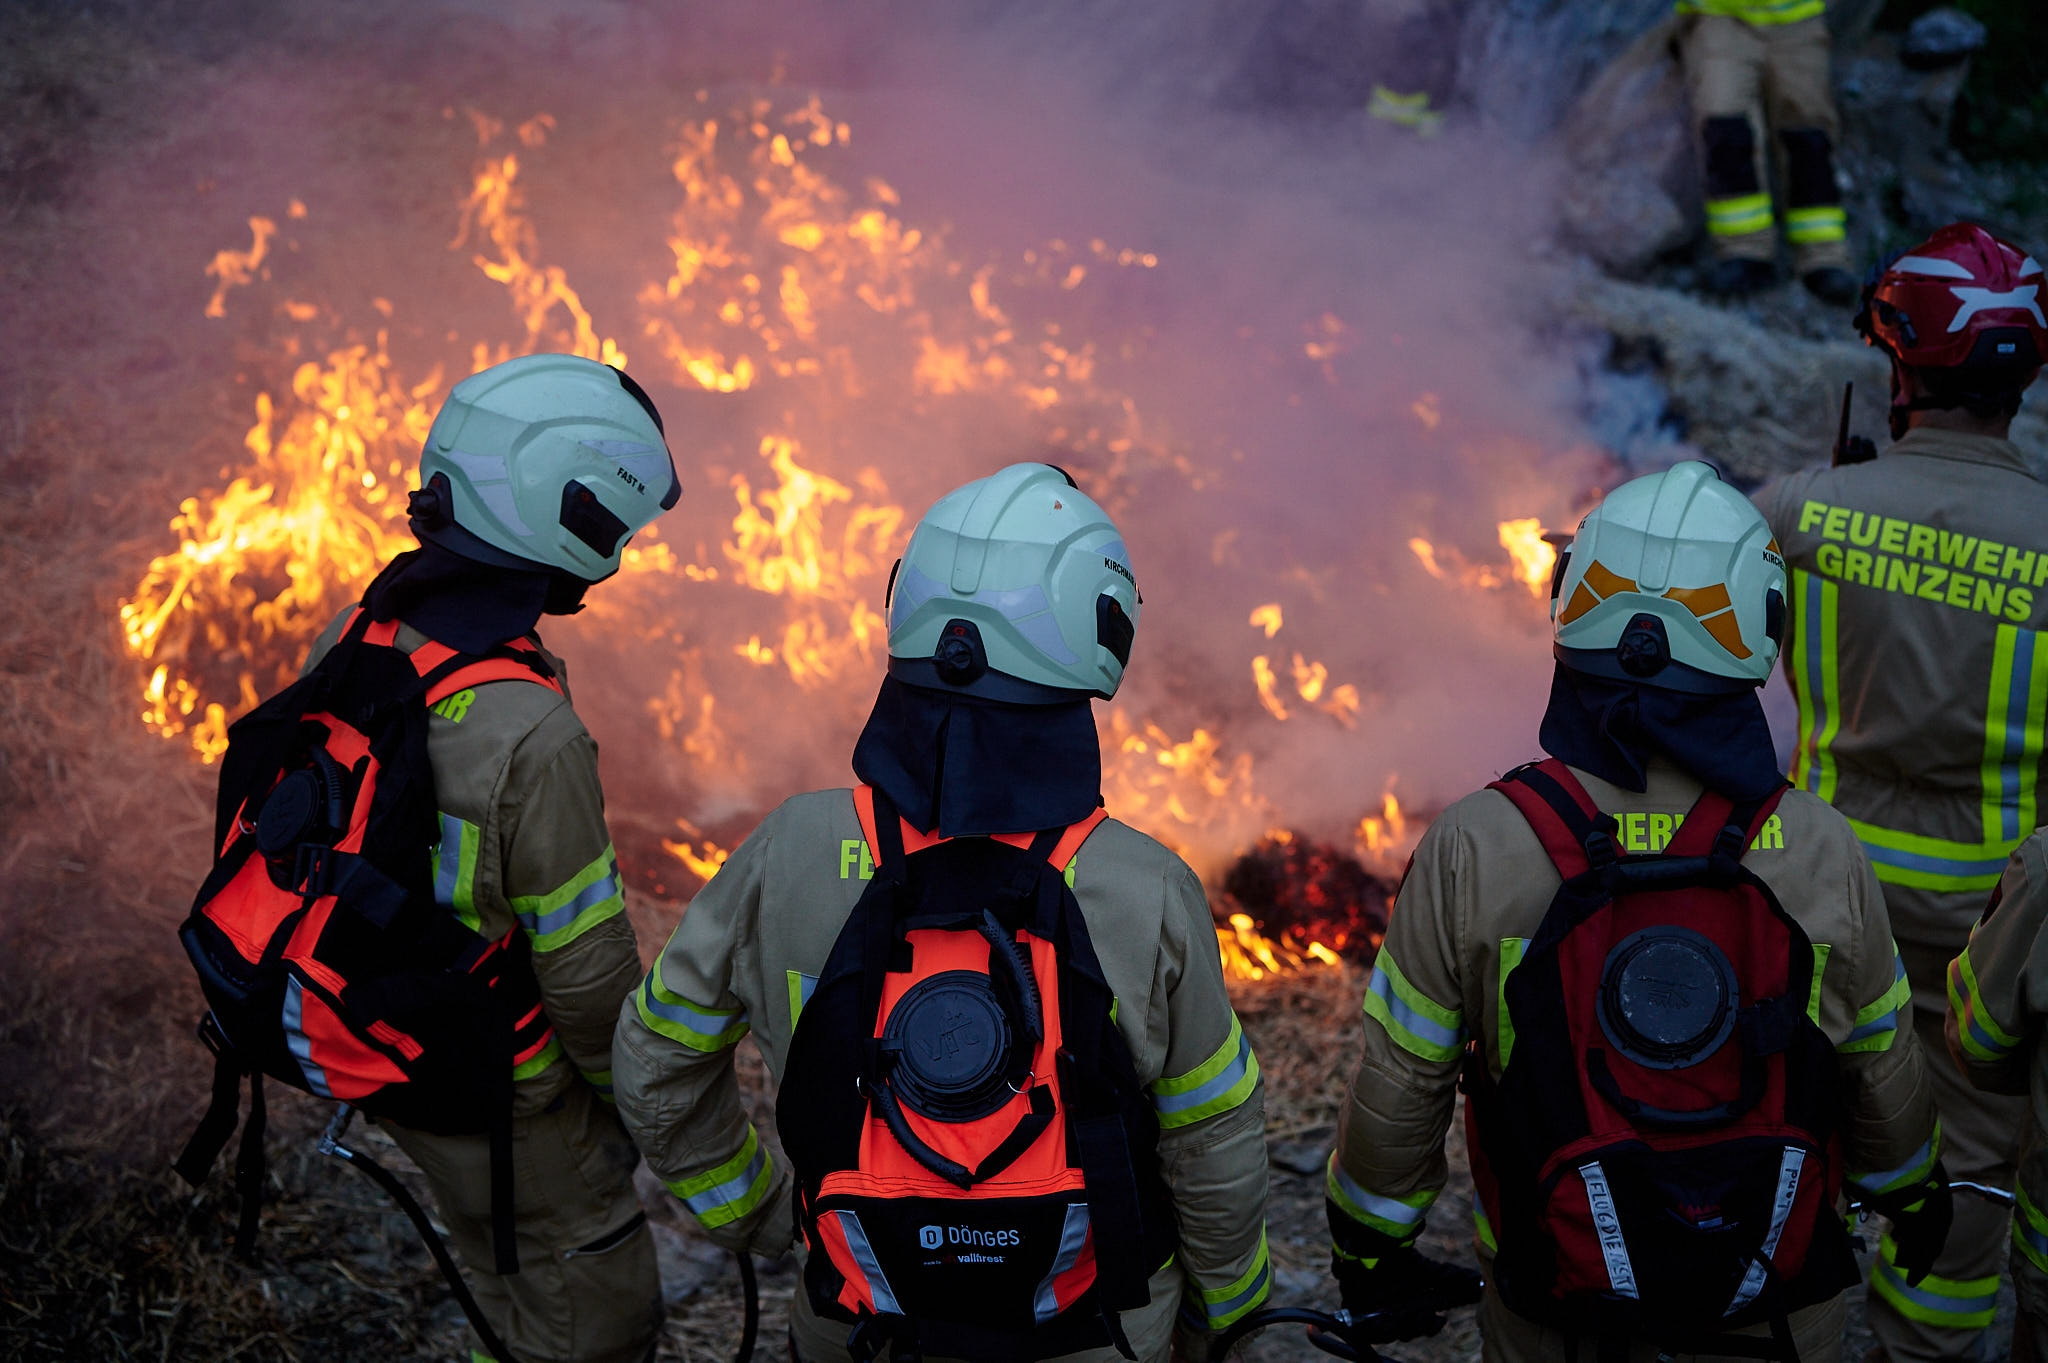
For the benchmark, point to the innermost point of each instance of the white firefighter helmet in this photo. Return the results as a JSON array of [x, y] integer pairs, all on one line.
[[1015, 587], [547, 460], [1675, 581]]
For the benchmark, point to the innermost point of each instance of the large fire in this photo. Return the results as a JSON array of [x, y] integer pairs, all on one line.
[[788, 273]]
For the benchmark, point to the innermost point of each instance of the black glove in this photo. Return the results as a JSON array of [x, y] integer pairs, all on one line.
[[1401, 1296], [1920, 1220]]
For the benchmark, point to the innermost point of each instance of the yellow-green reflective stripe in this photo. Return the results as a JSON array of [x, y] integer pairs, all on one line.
[[591, 896], [800, 987], [1738, 217], [1482, 1228], [454, 868], [1807, 225], [1902, 858], [1979, 1032], [2013, 724], [1398, 1217], [1227, 1305], [1821, 952], [2030, 1230], [678, 1019], [1418, 1024], [1947, 1303], [1757, 11], [549, 1054], [1511, 949], [1877, 1024], [1219, 1084], [1917, 1167], [601, 1080], [722, 1195], [1813, 663]]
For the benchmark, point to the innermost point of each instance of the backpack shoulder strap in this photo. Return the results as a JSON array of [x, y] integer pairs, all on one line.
[[444, 671], [1069, 844], [1575, 834], [1712, 814], [883, 828]]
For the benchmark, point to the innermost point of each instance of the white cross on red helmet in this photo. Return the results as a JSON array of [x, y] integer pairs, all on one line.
[[1962, 298]]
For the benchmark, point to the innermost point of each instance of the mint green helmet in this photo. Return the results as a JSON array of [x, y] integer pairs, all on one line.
[[1016, 587], [546, 461], [1674, 581]]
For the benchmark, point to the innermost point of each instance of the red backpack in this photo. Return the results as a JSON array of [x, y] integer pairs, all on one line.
[[1659, 1158], [975, 1160], [324, 957]]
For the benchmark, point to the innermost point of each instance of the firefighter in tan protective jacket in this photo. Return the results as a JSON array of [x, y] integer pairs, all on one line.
[[1013, 605], [1918, 600], [535, 473], [1664, 609], [1998, 1002]]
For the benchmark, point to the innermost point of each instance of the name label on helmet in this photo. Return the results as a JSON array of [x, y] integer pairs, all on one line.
[[630, 481], [1120, 571], [1947, 567]]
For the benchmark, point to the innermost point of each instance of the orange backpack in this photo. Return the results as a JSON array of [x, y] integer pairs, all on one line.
[[986, 1186], [324, 956]]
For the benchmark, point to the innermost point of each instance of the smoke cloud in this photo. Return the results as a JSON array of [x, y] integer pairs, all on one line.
[[1281, 338]]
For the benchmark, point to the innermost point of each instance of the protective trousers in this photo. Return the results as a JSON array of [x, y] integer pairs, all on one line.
[[1945, 1315], [1150, 1329], [587, 1290], [1748, 82]]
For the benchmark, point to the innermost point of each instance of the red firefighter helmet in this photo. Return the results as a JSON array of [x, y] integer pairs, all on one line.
[[1961, 299]]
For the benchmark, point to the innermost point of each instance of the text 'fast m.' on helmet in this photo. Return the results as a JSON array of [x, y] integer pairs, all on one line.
[[550, 461], [1016, 587], [1673, 581]]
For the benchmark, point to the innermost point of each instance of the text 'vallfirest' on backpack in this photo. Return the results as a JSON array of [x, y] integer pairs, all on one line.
[[976, 1163], [324, 957], [1659, 1158]]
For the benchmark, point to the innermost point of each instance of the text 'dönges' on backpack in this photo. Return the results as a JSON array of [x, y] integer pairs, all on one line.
[[1659, 1157], [975, 1159], [324, 957]]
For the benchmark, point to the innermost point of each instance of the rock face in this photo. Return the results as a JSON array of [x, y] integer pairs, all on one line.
[[1758, 400]]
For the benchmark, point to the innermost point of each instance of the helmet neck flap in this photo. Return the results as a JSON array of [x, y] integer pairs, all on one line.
[[959, 765]]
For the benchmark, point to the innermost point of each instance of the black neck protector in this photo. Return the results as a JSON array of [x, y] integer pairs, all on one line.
[[1611, 728], [960, 766], [464, 604]]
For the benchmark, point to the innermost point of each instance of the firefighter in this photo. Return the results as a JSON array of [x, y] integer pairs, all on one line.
[[1919, 587], [1757, 72], [535, 474], [1012, 607], [1998, 998], [1664, 610]]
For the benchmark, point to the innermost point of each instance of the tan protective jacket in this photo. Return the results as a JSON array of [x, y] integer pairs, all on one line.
[[754, 940], [1919, 590], [1998, 1003], [524, 845], [1478, 889]]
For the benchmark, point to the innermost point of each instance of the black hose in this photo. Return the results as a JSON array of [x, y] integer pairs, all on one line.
[[386, 1180], [752, 1323], [1332, 1332]]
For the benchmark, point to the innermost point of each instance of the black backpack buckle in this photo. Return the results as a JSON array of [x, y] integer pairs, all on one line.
[[213, 1038], [1599, 843]]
